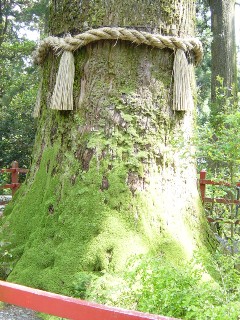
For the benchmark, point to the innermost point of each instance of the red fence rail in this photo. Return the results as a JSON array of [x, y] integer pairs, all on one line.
[[67, 307], [203, 182], [14, 170]]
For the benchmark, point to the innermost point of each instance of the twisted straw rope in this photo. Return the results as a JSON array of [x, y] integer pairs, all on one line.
[[107, 33]]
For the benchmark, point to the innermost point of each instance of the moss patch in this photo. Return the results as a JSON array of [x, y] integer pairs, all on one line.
[[68, 230], [106, 181]]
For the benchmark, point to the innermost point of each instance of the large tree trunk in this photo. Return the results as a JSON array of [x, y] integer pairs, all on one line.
[[224, 61], [116, 176]]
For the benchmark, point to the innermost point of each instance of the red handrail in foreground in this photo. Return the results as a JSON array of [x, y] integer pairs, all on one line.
[[67, 307]]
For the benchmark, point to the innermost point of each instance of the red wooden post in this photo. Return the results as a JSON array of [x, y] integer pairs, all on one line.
[[14, 177], [14, 170], [203, 174]]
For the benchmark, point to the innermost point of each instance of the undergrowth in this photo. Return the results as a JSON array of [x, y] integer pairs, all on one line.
[[208, 287], [188, 291]]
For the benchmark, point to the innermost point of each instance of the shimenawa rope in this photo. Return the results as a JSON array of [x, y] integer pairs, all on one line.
[[62, 96]]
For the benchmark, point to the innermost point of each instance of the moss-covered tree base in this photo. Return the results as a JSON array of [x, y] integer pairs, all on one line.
[[112, 179], [61, 227]]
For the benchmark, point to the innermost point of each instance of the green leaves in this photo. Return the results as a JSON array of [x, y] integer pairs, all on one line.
[[221, 144], [187, 291], [18, 91], [19, 80]]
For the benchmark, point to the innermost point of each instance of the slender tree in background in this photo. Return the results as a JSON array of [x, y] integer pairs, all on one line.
[[115, 176], [219, 150], [224, 90], [224, 61]]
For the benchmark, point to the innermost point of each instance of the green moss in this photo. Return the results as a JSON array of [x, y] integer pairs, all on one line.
[[65, 230], [91, 199], [70, 16]]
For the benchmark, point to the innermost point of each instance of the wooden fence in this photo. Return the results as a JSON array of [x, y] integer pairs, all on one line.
[[203, 182], [14, 185], [67, 307]]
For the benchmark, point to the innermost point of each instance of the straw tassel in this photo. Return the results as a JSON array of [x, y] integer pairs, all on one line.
[[37, 107], [62, 98], [182, 94]]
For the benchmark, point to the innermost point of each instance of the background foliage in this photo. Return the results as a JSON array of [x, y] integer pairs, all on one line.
[[19, 78], [149, 284]]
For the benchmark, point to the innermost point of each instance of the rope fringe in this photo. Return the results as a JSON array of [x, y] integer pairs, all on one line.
[[182, 95], [62, 98], [37, 107]]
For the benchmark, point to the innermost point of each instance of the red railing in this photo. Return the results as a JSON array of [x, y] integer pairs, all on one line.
[[14, 170], [67, 307], [203, 182]]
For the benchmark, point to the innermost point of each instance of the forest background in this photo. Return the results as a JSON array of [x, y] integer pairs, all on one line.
[[217, 140], [23, 23]]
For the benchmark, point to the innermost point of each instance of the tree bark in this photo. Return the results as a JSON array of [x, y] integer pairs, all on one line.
[[224, 61], [115, 177]]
